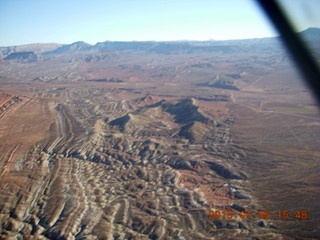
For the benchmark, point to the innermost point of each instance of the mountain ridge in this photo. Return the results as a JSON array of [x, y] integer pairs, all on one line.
[[166, 47]]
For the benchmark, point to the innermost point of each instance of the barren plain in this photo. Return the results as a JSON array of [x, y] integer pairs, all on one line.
[[149, 140]]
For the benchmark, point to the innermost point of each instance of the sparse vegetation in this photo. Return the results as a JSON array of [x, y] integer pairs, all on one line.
[[141, 140]]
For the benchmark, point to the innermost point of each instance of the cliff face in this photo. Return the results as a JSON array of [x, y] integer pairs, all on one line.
[[22, 57]]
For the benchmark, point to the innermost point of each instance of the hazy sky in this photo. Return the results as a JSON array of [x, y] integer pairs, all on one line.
[[92, 21]]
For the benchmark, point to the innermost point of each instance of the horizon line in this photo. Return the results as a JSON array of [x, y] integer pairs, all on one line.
[[155, 41]]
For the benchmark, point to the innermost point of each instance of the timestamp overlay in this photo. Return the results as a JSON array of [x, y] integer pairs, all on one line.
[[263, 214]]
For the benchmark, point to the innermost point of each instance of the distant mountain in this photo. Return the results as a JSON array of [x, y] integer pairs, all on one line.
[[148, 47], [190, 47], [35, 47], [311, 35], [124, 46], [74, 47]]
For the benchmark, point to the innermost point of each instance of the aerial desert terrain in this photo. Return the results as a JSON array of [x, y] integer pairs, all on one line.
[[158, 140]]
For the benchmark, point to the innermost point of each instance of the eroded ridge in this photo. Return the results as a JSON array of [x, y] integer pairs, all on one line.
[[140, 168], [148, 140]]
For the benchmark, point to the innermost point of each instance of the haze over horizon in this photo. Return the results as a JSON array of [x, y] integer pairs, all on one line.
[[65, 22], [26, 22]]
